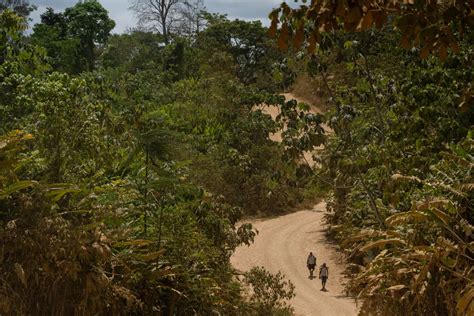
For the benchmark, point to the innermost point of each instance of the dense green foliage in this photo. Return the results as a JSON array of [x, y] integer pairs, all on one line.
[[121, 188], [71, 38], [128, 161], [21, 7], [268, 291], [399, 168]]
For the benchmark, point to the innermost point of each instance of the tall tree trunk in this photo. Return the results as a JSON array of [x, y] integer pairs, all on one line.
[[165, 34], [90, 56]]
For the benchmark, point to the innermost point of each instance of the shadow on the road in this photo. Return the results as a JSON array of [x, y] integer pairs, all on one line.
[[343, 296], [315, 231]]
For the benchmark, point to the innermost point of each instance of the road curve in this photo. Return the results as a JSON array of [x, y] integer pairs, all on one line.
[[283, 244]]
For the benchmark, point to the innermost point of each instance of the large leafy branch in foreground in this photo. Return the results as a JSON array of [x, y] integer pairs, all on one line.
[[434, 25]]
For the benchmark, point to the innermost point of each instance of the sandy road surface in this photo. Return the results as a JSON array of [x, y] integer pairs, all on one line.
[[283, 244]]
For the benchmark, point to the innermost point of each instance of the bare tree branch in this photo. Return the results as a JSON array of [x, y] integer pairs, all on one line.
[[191, 18], [159, 15]]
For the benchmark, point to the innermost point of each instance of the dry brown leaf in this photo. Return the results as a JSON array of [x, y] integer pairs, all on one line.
[[412, 216], [405, 42], [443, 52], [20, 273], [381, 243], [466, 302], [283, 39], [397, 287], [299, 37], [367, 21], [437, 203], [425, 51]]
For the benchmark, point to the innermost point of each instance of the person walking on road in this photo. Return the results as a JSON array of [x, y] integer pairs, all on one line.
[[323, 275], [311, 264]]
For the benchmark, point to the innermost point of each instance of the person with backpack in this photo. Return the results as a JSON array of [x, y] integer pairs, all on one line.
[[323, 275], [311, 264]]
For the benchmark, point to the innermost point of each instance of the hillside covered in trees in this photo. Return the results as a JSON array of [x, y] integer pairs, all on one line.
[[128, 161]]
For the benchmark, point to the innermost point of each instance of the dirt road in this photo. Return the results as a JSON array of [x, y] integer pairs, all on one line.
[[283, 244]]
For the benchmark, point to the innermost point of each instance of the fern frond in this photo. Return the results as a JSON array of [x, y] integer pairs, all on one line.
[[457, 159], [406, 217], [467, 187], [436, 203], [382, 243], [458, 194], [465, 304], [400, 178]]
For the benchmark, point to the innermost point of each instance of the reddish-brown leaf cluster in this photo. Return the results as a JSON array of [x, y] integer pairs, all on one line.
[[432, 24]]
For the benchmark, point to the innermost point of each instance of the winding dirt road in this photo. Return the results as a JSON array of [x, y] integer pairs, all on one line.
[[283, 244]]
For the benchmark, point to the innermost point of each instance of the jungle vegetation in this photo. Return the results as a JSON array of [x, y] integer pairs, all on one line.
[[128, 160], [398, 79]]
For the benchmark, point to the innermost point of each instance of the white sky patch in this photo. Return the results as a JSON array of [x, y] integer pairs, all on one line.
[[247, 10]]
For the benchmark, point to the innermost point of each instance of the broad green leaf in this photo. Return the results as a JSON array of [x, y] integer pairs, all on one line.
[[57, 191], [15, 187]]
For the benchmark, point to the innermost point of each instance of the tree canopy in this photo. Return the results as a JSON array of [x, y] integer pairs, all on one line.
[[73, 37], [90, 23], [21, 7]]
